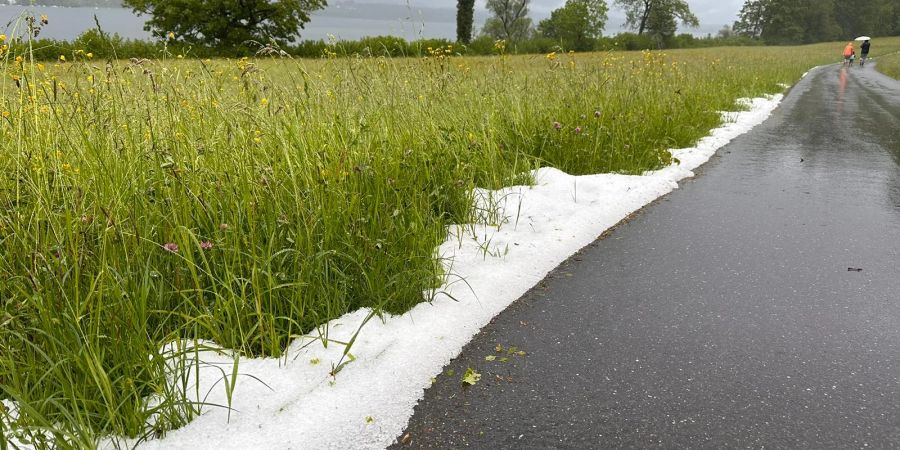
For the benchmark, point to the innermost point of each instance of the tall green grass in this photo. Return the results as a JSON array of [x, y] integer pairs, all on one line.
[[248, 201], [889, 65]]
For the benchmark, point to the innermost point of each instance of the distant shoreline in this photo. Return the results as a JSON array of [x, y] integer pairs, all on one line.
[[56, 5]]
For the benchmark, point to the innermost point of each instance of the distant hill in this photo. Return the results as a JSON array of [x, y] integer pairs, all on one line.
[[98, 3]]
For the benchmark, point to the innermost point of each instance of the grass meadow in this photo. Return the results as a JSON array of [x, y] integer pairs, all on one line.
[[889, 65], [245, 202]]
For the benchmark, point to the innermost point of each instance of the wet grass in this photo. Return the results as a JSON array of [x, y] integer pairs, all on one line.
[[245, 202], [889, 65]]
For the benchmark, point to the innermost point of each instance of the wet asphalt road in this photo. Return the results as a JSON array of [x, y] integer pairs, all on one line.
[[723, 315]]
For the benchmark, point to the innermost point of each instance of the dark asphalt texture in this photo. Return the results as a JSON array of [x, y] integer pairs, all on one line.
[[722, 316]]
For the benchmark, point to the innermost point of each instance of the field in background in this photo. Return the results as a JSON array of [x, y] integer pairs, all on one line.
[[248, 201], [889, 65]]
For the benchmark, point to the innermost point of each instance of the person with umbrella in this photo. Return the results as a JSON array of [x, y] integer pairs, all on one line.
[[864, 50]]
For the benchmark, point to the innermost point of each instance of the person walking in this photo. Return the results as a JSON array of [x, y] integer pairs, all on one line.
[[864, 53], [849, 53]]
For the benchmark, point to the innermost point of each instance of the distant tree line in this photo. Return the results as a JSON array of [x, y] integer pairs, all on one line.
[[578, 24], [106, 46], [807, 21]]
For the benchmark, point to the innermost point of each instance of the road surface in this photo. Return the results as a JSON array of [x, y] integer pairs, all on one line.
[[724, 315]]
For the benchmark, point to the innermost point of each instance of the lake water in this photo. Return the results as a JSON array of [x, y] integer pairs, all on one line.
[[68, 23]]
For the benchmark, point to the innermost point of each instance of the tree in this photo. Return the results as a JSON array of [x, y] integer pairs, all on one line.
[[642, 14], [226, 23], [751, 18], [797, 21], [725, 32], [577, 24], [661, 26], [510, 20], [871, 17], [807, 21], [465, 15]]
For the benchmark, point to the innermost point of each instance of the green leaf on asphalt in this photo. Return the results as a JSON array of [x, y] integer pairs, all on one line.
[[471, 377], [490, 358]]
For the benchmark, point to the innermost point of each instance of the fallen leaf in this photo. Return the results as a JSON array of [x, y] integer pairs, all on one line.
[[471, 377]]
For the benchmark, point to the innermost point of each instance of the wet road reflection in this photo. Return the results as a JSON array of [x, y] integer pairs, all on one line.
[[723, 316], [842, 87]]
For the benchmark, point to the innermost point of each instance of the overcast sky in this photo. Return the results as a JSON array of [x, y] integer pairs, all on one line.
[[718, 11], [713, 14]]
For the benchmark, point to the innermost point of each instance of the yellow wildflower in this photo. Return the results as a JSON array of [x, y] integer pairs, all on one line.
[[62, 58]]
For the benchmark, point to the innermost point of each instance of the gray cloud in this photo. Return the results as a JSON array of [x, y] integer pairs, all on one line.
[[713, 14]]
